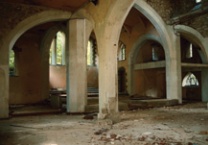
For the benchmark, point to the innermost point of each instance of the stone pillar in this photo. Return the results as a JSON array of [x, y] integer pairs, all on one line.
[[4, 92], [108, 82], [76, 66], [45, 64], [204, 78], [173, 70], [204, 85]]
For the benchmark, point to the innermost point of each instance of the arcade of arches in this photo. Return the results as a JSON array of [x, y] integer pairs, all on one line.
[[69, 54]]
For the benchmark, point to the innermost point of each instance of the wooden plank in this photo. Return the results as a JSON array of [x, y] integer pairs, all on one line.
[[150, 65]]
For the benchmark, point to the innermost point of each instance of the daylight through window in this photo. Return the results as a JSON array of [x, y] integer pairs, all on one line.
[[189, 53], [122, 51], [190, 80], [57, 50]]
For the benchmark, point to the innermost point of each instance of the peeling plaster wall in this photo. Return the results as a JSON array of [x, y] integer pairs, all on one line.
[[58, 77], [26, 86]]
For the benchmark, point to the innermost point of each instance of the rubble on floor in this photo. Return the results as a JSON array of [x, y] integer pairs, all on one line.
[[174, 125]]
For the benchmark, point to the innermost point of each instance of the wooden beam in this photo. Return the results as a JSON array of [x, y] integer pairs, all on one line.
[[199, 65], [149, 65]]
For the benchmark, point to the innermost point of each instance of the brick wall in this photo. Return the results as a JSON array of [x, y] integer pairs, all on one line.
[[200, 24], [12, 14], [168, 9], [163, 7]]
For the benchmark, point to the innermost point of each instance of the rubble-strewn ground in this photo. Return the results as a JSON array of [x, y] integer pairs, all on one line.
[[178, 125]]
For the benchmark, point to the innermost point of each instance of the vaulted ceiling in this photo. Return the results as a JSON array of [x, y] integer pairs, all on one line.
[[71, 5], [134, 18]]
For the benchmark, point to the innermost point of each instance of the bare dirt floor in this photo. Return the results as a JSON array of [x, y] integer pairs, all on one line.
[[178, 125]]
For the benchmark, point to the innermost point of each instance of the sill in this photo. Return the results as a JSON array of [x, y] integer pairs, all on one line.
[[13, 75]]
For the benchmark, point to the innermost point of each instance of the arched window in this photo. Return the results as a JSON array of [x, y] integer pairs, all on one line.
[[91, 53], [189, 53], [198, 1], [155, 49], [122, 51], [13, 61], [190, 80], [57, 50]]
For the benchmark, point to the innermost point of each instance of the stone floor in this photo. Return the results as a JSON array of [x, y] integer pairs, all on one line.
[[176, 125], [58, 106]]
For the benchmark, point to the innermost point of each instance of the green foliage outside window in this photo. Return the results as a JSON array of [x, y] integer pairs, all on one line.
[[60, 46], [11, 59], [59, 41]]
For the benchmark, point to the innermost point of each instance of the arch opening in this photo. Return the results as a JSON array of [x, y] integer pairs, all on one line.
[[57, 60], [190, 80], [10, 40], [145, 27], [148, 74], [191, 61], [30, 87], [92, 68]]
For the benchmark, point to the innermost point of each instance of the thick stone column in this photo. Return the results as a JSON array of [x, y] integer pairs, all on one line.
[[204, 85], [4, 92], [173, 70], [204, 77], [108, 82], [77, 66]]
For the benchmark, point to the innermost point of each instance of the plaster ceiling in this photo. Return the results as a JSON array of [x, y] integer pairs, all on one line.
[[71, 5], [135, 20]]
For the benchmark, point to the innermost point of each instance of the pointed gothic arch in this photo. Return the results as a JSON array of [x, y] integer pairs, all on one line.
[[11, 38], [195, 37], [134, 52], [110, 35]]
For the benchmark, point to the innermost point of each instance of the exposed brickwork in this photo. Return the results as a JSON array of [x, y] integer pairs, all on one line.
[[12, 14], [182, 7], [168, 9], [163, 7], [200, 24]]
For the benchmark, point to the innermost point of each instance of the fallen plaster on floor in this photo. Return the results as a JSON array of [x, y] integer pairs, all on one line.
[[178, 125]]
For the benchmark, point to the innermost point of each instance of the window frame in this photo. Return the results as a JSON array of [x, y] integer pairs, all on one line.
[[122, 51], [56, 56]]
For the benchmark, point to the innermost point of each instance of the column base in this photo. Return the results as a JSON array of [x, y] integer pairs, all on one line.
[[114, 117]]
